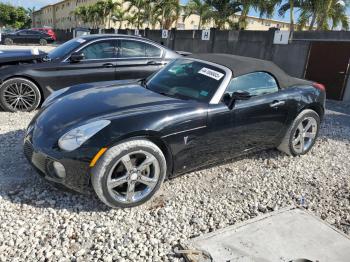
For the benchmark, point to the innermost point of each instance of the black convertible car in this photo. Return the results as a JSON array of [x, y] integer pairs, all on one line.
[[125, 138], [26, 81]]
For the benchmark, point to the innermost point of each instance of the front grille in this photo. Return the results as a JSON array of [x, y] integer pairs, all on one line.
[[37, 159], [28, 150]]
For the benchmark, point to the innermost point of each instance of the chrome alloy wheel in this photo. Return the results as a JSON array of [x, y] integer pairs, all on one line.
[[133, 177], [19, 96], [304, 135]]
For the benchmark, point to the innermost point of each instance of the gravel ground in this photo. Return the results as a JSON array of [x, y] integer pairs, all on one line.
[[39, 222]]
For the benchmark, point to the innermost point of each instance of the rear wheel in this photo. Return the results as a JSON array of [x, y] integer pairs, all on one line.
[[129, 173], [8, 41], [43, 42], [19, 94], [302, 134]]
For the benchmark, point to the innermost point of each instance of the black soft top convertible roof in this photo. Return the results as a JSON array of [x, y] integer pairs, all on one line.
[[241, 65]]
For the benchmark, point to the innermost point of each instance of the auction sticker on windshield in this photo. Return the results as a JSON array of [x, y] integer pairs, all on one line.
[[211, 73]]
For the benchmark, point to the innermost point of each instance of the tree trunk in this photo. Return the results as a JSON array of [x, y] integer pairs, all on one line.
[[291, 2], [163, 13], [324, 15], [200, 23], [242, 22], [312, 24]]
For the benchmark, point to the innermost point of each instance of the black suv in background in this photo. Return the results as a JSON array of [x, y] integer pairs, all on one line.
[[26, 36], [86, 59]]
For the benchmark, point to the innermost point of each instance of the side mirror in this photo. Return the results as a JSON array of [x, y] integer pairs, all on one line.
[[230, 100], [76, 57]]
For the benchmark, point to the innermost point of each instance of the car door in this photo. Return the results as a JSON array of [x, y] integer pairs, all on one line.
[[33, 37], [98, 64], [20, 37], [251, 124], [137, 59]]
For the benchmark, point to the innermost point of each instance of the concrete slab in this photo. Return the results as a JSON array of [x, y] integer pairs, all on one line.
[[285, 235]]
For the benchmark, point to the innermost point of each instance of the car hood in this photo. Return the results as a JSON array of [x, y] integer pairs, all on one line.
[[102, 102], [25, 55]]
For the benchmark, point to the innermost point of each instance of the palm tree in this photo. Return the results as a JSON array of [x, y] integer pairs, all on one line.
[[199, 8], [223, 11], [109, 7], [136, 8], [321, 13], [167, 12], [119, 15], [103, 10], [96, 12], [151, 16], [334, 10], [309, 10], [338, 16], [82, 13], [263, 7], [290, 5]]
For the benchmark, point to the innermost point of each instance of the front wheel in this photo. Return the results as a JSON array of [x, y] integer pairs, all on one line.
[[302, 134], [19, 94], [43, 42], [8, 41], [129, 174]]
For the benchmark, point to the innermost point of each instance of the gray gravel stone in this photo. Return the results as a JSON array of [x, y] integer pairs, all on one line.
[[40, 222]]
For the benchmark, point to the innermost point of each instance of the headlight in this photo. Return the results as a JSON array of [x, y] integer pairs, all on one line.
[[54, 95], [77, 136]]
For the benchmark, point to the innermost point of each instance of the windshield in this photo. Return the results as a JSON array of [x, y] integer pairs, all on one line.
[[187, 79], [65, 49]]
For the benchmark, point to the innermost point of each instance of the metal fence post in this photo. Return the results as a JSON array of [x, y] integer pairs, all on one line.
[[173, 35], [213, 35]]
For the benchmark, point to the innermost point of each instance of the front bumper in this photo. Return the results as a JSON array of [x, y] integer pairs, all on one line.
[[77, 172]]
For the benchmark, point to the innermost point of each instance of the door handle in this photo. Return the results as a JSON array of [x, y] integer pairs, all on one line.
[[108, 65], [277, 103]]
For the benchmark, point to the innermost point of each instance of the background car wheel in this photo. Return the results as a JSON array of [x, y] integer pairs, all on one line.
[[302, 134], [129, 173], [8, 41], [19, 94], [43, 42]]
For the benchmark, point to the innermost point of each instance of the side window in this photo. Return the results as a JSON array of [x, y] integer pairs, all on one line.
[[258, 83], [130, 49], [153, 51], [99, 50]]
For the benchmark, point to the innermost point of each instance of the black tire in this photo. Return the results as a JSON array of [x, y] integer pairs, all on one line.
[[43, 42], [287, 146], [30, 90], [8, 41], [108, 164]]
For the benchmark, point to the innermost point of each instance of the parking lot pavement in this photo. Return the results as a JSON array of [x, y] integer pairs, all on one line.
[[46, 48], [38, 221]]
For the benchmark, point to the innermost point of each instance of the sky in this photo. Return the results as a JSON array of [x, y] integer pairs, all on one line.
[[40, 3]]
